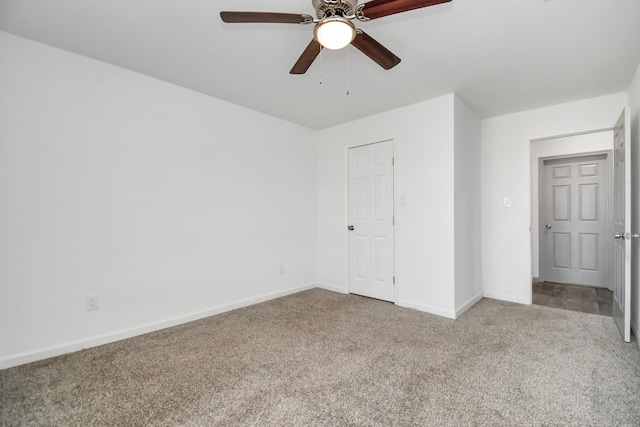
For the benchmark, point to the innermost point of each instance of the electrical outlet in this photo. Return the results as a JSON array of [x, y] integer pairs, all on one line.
[[282, 269], [92, 302]]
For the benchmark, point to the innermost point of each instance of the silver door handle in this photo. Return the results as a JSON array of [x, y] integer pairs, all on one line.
[[548, 226], [351, 228], [619, 236]]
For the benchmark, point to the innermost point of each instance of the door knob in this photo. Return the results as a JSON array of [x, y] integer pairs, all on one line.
[[548, 226], [619, 236], [351, 228]]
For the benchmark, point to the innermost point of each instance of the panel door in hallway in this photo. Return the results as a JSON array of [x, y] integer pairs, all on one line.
[[371, 221], [574, 221]]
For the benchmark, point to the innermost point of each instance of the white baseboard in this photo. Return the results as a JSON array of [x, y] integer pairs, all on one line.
[[332, 288], [505, 297], [47, 353], [467, 305], [634, 329], [438, 311]]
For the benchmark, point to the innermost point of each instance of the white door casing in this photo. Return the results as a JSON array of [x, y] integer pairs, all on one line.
[[622, 226], [371, 221], [574, 221]]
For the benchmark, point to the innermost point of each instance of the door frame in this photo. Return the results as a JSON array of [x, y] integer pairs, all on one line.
[[609, 203], [397, 273], [534, 180]]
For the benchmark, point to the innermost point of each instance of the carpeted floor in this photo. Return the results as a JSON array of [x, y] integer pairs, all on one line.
[[321, 358]]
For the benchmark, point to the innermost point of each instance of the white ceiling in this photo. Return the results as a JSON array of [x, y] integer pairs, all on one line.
[[500, 56]]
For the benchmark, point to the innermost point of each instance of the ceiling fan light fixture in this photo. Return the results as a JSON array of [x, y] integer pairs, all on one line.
[[335, 32]]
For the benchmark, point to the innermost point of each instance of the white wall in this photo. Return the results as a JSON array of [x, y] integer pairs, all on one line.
[[506, 172], [170, 204], [468, 270], [423, 137], [596, 142], [634, 102]]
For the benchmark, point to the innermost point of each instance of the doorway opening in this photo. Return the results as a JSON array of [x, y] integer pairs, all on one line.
[[571, 222]]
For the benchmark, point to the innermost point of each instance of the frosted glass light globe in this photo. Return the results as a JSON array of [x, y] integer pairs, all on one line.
[[335, 33]]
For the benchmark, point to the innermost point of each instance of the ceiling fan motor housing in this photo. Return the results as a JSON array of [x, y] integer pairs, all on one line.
[[326, 8]]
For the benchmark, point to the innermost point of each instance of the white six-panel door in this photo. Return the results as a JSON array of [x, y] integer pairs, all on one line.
[[371, 221], [622, 227], [575, 219]]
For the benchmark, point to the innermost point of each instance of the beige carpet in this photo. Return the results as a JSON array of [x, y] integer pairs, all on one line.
[[321, 358]]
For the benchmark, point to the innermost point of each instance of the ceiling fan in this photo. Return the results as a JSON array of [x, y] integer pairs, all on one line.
[[334, 29]]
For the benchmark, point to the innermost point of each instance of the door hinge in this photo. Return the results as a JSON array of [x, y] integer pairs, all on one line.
[[393, 161], [394, 280], [393, 220]]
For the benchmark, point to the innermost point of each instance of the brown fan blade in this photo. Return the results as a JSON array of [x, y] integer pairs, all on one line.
[[379, 8], [265, 17], [374, 50], [307, 58]]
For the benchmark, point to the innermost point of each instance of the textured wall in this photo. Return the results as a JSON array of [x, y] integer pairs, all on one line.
[[165, 202]]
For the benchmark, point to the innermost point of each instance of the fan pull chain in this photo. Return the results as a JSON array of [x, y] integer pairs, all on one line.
[[347, 70]]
